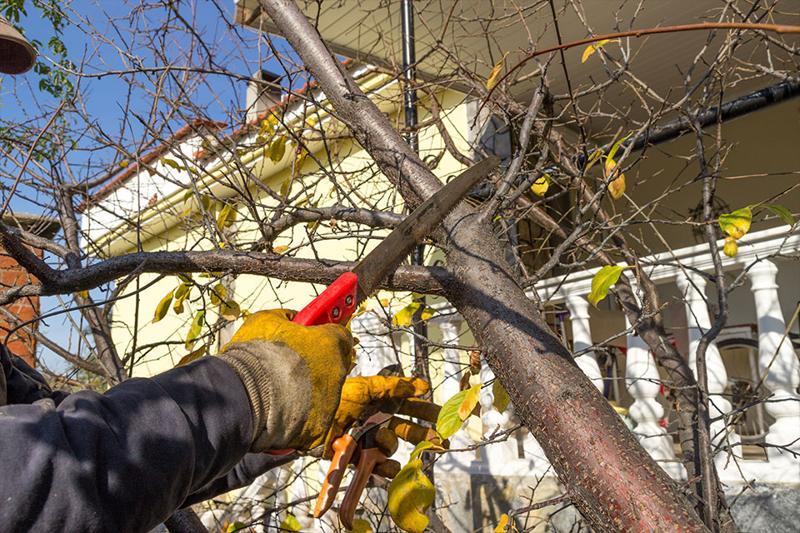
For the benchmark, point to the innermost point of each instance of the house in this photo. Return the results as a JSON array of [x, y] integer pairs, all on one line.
[[206, 167]]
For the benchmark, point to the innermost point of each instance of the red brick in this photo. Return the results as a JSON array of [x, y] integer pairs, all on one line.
[[20, 342]]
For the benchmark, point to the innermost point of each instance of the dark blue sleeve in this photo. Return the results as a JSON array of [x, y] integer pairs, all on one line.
[[123, 460]]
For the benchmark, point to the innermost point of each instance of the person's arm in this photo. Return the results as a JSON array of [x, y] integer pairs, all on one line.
[[124, 460]]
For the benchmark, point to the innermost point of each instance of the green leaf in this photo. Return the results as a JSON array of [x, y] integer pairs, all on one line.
[[163, 306], [181, 293], [541, 185], [606, 278], [360, 526], [736, 224], [172, 163], [616, 146], [236, 526], [411, 493], [218, 294], [782, 212], [195, 328], [456, 410], [501, 399], [290, 523], [230, 310], [278, 148]]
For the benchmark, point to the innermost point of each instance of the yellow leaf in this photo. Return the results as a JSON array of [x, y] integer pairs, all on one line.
[[617, 186], [124, 163], [226, 216], [736, 224], [385, 302], [193, 356], [731, 248], [230, 310], [279, 249], [594, 157], [236, 526], [163, 306], [268, 124], [592, 48], [360, 526], [300, 160], [286, 186], [278, 148], [404, 317], [83, 294], [501, 399], [469, 402], [494, 75], [602, 282], [290, 523], [426, 314], [195, 328], [541, 184], [502, 526], [411, 493], [172, 163], [616, 146], [422, 446]]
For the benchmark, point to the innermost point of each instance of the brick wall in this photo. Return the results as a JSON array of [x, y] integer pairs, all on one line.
[[20, 343]]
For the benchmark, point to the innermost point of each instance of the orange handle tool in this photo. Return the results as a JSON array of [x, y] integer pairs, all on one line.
[[343, 449], [368, 458]]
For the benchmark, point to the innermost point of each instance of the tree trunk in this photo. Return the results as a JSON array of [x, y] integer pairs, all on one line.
[[614, 483]]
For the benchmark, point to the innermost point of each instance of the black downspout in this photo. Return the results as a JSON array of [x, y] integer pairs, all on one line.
[[421, 367]]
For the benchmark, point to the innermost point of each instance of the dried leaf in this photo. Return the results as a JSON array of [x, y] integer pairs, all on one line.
[[737, 223], [731, 248], [592, 48], [163, 306], [501, 399], [411, 493], [195, 328], [541, 184], [494, 75], [193, 356], [602, 282]]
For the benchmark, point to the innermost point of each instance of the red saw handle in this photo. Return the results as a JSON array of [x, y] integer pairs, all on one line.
[[335, 305]]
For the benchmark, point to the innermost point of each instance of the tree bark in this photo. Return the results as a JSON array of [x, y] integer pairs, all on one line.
[[614, 483]]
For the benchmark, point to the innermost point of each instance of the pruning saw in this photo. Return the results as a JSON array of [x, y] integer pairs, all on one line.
[[337, 303]]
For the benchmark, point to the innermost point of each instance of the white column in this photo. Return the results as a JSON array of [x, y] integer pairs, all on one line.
[[376, 347], [578, 308], [779, 365], [698, 321], [452, 367], [499, 458], [643, 382]]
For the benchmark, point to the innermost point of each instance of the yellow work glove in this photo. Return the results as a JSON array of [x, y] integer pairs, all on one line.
[[366, 395], [293, 375]]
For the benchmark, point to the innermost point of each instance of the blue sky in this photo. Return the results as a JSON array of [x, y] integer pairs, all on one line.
[[105, 37]]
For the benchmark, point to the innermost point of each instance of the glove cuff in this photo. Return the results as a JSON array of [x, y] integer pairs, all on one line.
[[277, 382]]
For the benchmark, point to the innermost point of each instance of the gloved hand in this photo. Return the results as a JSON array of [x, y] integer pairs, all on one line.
[[293, 375], [366, 395]]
